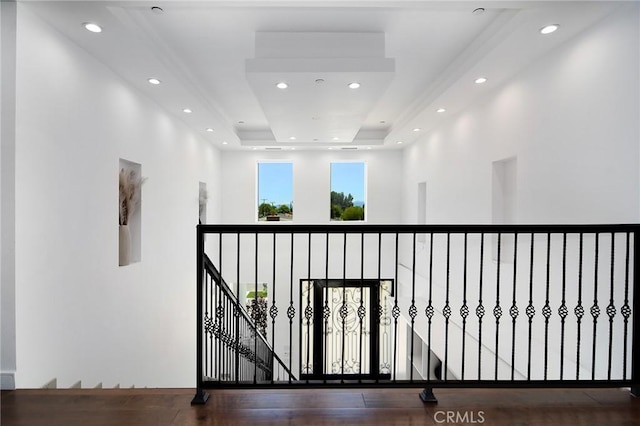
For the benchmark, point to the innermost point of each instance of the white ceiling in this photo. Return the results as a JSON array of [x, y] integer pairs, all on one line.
[[205, 54]]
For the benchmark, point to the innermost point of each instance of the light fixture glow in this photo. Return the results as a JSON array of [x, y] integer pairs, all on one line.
[[354, 85], [224, 142], [441, 110], [481, 80], [417, 129], [282, 85], [336, 138], [154, 81], [209, 130], [399, 142], [292, 138], [94, 28], [187, 111], [548, 29]]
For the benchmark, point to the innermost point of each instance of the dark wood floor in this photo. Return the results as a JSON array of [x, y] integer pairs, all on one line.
[[141, 407]]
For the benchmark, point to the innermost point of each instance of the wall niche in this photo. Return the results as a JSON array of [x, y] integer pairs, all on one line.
[[130, 212]]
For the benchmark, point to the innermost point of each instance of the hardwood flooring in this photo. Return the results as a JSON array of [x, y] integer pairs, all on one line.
[[142, 407]]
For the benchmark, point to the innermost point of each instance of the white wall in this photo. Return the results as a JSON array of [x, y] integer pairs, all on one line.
[[7, 194], [79, 315], [571, 120], [311, 184]]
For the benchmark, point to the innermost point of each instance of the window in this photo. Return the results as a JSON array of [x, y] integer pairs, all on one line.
[[347, 191], [275, 191]]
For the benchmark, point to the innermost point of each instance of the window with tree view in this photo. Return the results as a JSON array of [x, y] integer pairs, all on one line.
[[347, 191], [275, 191]]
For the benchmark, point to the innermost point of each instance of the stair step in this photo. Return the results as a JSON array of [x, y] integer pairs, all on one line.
[[98, 386], [51, 384], [77, 385]]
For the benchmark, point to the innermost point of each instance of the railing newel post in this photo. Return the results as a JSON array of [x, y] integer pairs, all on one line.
[[635, 345], [201, 396]]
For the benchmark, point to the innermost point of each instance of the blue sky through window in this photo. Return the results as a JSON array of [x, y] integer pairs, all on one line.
[[275, 183], [349, 179]]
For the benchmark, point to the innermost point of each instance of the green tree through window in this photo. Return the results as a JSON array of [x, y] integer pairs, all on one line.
[[275, 191], [347, 196]]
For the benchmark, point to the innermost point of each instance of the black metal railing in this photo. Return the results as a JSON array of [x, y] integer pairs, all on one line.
[[417, 305]]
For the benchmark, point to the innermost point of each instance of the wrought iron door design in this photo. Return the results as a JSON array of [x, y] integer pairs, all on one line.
[[344, 328]]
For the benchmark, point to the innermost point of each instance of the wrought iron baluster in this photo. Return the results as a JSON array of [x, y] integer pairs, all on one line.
[[480, 307], [429, 311], [208, 343], [546, 309], [237, 314], [530, 310], [361, 309], [308, 310], [395, 312], [513, 310], [412, 309], [446, 311], [255, 295], [497, 310], [595, 309], [326, 311], [273, 312], [626, 310], [464, 309], [562, 310], [611, 309], [291, 311], [343, 309], [579, 309], [379, 342]]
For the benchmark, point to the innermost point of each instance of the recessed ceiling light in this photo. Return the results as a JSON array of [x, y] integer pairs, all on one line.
[[549, 29], [481, 80], [330, 148], [94, 28], [240, 122], [417, 129], [153, 81], [187, 110], [157, 9], [336, 138], [441, 110], [209, 129], [368, 147], [293, 148], [224, 142], [478, 11], [282, 85], [354, 85], [319, 80], [399, 142], [292, 138]]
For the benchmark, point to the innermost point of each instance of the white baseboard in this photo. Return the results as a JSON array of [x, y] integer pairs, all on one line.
[[8, 381]]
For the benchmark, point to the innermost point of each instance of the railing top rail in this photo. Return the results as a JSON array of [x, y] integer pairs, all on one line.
[[344, 228]]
